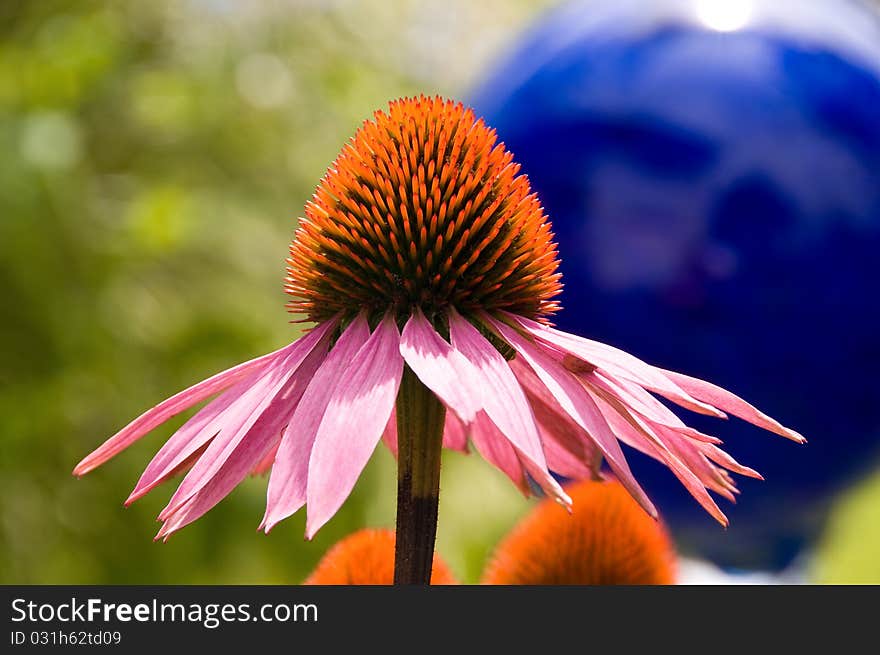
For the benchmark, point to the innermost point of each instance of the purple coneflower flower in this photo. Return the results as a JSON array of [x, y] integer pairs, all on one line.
[[429, 269]]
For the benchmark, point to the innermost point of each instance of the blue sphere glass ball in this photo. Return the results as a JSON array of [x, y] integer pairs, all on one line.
[[712, 171]]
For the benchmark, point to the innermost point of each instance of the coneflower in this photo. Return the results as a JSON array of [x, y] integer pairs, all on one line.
[[606, 540], [429, 268], [366, 557]]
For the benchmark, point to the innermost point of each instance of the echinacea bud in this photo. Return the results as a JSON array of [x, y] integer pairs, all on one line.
[[366, 557], [423, 209], [606, 540]]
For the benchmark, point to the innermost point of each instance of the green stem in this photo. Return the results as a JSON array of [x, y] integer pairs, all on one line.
[[420, 417]]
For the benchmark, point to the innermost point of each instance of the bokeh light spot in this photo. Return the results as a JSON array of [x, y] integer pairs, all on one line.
[[51, 141]]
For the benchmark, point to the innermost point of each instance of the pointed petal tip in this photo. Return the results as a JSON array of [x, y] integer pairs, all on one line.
[[565, 500], [269, 522], [88, 464], [171, 508], [313, 524], [169, 527], [136, 494]]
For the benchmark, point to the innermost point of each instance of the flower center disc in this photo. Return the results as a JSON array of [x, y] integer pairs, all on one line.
[[423, 208]]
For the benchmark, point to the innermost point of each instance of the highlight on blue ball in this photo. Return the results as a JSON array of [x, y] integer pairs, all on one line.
[[712, 171]]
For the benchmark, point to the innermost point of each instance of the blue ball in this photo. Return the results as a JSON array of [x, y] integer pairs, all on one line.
[[712, 172]]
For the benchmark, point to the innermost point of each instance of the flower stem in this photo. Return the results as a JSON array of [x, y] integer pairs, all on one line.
[[420, 418]]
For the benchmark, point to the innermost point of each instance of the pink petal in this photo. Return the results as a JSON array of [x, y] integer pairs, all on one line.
[[691, 455], [635, 432], [246, 411], [503, 399], [256, 445], [193, 436], [455, 434], [440, 367], [732, 403], [353, 423], [171, 407], [567, 447], [389, 434], [578, 404], [671, 433], [637, 399], [724, 459], [546, 481], [286, 493], [498, 451], [617, 363], [265, 464]]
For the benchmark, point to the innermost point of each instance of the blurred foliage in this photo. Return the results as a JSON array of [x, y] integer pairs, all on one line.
[[848, 552], [153, 159]]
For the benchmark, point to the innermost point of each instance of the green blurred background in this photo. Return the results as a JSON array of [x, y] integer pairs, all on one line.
[[154, 156]]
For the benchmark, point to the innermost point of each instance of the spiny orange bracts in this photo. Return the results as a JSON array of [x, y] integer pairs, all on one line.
[[366, 557], [423, 208], [607, 539]]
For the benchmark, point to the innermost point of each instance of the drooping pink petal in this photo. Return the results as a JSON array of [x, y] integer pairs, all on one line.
[[578, 404], [547, 482], [499, 452], [389, 434], [172, 407], [688, 445], [193, 436], [256, 445], [503, 399], [455, 434], [265, 464], [286, 492], [713, 477], [724, 459], [440, 367], [732, 403], [618, 363], [564, 461], [246, 411], [184, 466], [353, 423], [638, 434], [690, 453], [567, 447], [642, 402]]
